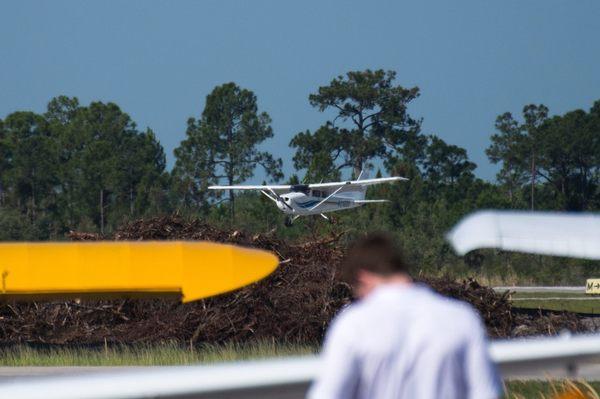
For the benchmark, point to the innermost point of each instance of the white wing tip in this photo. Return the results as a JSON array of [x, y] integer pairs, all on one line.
[[474, 231]]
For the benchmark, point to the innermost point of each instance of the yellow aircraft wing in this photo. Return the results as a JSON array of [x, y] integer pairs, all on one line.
[[191, 270]]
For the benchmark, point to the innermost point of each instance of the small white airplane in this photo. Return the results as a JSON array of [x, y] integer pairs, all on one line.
[[297, 200]]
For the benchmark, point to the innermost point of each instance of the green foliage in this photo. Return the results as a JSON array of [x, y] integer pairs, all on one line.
[[319, 153], [31, 157], [13, 227], [558, 156], [78, 164], [371, 120], [223, 145], [90, 168]]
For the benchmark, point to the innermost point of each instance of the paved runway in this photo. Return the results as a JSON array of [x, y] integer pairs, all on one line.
[[590, 372], [573, 290], [8, 374]]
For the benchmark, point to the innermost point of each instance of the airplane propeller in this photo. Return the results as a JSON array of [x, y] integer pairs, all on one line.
[[277, 198], [280, 199]]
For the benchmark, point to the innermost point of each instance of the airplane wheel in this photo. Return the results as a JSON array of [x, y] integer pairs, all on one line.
[[288, 221]]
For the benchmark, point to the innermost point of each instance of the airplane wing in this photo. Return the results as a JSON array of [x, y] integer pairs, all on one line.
[[365, 182], [288, 187], [546, 233], [276, 188]]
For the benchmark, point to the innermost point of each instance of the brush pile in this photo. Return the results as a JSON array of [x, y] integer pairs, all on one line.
[[293, 305]]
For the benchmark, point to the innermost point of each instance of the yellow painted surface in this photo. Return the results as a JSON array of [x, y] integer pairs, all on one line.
[[592, 286], [193, 270]]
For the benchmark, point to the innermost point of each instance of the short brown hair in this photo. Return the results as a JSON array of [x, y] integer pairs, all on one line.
[[377, 253]]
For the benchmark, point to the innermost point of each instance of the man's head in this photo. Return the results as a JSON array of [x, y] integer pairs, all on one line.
[[372, 261]]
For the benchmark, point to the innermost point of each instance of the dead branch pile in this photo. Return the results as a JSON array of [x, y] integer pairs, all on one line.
[[294, 304], [81, 236], [495, 309], [498, 314]]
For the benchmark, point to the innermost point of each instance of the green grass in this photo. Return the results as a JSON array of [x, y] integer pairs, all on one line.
[[572, 302], [548, 389], [143, 355]]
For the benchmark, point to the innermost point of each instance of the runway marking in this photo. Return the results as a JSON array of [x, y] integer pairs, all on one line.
[[557, 298]]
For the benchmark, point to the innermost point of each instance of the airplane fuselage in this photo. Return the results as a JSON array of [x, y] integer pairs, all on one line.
[[302, 204]]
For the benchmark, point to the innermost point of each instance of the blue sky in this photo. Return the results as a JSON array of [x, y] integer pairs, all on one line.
[[159, 59]]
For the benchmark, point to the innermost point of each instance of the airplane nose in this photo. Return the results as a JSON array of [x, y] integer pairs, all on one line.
[[282, 206]]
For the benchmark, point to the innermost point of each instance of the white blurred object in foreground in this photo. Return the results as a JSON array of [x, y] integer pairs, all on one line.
[[574, 235]]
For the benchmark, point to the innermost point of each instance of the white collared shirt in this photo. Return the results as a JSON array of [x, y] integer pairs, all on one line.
[[406, 341]]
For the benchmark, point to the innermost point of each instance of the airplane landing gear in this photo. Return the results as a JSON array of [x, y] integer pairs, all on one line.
[[328, 218], [288, 221]]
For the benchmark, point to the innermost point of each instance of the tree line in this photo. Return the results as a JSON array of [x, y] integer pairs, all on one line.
[[89, 167]]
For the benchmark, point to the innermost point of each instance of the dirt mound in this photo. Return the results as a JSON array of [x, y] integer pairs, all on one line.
[[294, 304]]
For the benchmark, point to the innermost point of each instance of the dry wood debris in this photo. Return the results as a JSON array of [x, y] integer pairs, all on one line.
[[294, 304]]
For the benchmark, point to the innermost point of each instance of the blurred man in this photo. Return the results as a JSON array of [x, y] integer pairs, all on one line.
[[401, 339]]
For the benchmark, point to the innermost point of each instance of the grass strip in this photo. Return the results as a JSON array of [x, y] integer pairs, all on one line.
[[143, 355], [540, 389], [559, 301]]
